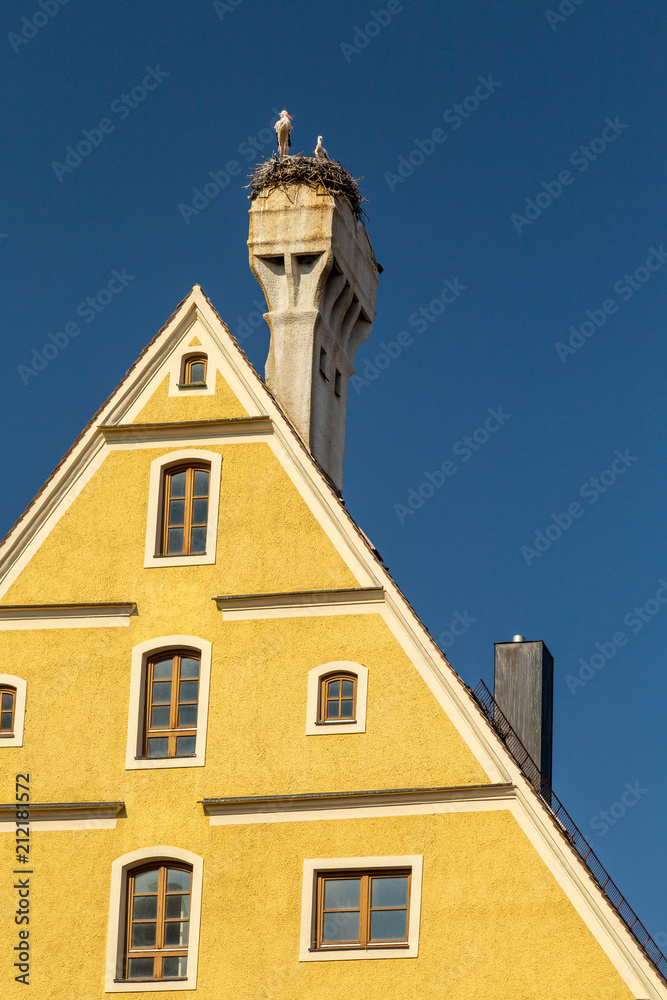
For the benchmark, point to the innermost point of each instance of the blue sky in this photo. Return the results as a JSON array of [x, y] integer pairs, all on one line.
[[541, 201]]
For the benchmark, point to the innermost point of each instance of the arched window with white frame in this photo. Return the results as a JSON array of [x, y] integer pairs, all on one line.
[[12, 710], [337, 698], [183, 502]]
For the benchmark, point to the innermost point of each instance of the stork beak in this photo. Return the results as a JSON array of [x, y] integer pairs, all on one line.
[[289, 116]]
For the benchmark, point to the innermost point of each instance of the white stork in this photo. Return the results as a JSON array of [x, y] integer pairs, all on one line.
[[283, 129], [320, 151]]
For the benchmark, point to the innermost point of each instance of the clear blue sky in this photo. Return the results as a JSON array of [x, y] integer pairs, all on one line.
[[551, 86]]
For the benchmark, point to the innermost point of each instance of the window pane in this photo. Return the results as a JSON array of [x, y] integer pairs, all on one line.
[[146, 881], [160, 717], [200, 511], [6, 723], [177, 512], [341, 893], [158, 748], [7, 700], [176, 933], [197, 371], [162, 693], [143, 935], [201, 483], [145, 908], [174, 966], [177, 488], [189, 667], [348, 689], [334, 689], [178, 881], [388, 925], [332, 709], [175, 544], [162, 670], [189, 690], [178, 906], [185, 745], [140, 968], [187, 715], [198, 540], [346, 710], [341, 927], [392, 891]]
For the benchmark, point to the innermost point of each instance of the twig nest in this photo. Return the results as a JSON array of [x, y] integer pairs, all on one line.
[[329, 174]]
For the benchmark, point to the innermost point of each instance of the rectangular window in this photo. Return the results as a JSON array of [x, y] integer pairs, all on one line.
[[337, 383], [323, 364], [363, 909]]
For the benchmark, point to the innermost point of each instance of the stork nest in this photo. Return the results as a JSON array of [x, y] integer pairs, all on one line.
[[332, 176]]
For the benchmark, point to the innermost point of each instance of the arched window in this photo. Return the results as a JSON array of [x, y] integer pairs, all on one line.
[[12, 710], [185, 510], [158, 922], [172, 697], [194, 370], [7, 710], [338, 698], [154, 919]]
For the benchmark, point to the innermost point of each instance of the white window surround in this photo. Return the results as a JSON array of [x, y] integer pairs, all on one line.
[[16, 739], [155, 491], [314, 867], [117, 915], [135, 723], [315, 728]]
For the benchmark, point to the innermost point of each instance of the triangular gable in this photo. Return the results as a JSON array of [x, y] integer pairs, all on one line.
[[196, 318]]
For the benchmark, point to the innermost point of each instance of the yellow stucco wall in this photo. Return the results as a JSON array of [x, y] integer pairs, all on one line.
[[188, 405], [494, 922]]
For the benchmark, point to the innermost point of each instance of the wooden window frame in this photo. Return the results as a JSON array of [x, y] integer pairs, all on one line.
[[323, 699], [160, 951], [8, 689], [186, 374], [174, 730], [190, 469], [365, 909], [341, 727]]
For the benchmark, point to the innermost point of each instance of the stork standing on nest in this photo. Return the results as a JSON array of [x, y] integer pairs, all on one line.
[[283, 128], [320, 151]]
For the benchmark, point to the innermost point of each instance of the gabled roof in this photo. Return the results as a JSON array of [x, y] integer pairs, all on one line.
[[526, 806]]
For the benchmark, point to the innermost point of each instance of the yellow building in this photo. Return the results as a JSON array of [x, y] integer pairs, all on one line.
[[233, 760]]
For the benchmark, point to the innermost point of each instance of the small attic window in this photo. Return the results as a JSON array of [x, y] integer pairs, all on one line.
[[194, 372]]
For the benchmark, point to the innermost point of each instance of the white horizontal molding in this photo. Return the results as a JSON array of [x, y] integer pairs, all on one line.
[[232, 431], [38, 616], [61, 815], [302, 604], [353, 805]]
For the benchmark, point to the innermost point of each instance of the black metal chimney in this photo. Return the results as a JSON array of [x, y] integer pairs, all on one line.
[[524, 692]]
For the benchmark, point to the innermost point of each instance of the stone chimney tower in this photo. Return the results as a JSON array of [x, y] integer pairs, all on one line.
[[318, 273]]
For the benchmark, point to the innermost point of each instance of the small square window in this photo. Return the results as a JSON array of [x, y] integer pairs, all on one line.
[[194, 371]]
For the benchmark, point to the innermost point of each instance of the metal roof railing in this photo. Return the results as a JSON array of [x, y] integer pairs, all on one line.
[[568, 827]]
